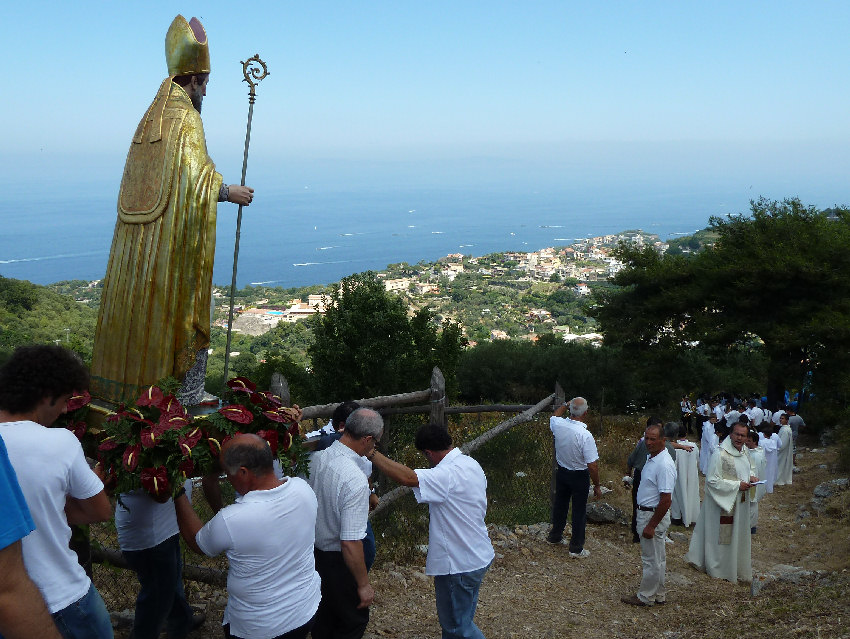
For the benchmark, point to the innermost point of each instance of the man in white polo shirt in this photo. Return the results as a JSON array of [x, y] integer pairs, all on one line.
[[459, 548], [343, 493], [272, 585], [577, 457], [654, 496]]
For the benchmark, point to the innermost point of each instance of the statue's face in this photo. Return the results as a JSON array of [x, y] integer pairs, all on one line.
[[197, 91]]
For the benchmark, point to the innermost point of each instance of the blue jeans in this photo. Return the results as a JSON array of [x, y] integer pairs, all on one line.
[[457, 598], [570, 486], [161, 602], [86, 618]]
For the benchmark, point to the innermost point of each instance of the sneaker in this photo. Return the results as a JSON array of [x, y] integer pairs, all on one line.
[[580, 555], [198, 620], [667, 540], [632, 600], [550, 538]]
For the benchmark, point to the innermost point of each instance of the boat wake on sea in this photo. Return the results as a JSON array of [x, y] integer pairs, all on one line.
[[61, 256], [320, 263]]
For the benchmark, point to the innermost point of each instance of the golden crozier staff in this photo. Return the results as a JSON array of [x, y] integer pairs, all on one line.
[[254, 70]]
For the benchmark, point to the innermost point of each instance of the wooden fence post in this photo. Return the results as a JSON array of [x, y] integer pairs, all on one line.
[[560, 398], [438, 398], [280, 387]]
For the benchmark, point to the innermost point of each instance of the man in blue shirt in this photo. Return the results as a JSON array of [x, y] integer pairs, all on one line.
[[22, 610]]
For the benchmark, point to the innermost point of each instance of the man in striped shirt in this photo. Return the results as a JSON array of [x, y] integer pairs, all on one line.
[[343, 494]]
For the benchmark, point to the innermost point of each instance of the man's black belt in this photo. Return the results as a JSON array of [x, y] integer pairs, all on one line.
[[649, 509]]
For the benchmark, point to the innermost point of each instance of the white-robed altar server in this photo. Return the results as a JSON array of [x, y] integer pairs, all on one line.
[[771, 443], [721, 544], [758, 464], [685, 506], [708, 444], [785, 456]]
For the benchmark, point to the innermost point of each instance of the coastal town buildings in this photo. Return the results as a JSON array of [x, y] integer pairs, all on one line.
[[578, 268]]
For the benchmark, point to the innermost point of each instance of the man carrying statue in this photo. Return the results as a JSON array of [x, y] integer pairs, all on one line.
[[154, 319]]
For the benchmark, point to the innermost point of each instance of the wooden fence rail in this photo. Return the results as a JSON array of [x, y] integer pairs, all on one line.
[[527, 415], [387, 405], [457, 410], [436, 394]]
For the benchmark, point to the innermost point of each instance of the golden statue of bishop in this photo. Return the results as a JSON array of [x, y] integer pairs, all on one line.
[[154, 319]]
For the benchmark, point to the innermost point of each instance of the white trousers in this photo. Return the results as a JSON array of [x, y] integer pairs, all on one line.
[[754, 514], [653, 556]]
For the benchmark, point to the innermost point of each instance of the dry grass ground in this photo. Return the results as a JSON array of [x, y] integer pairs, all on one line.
[[536, 590]]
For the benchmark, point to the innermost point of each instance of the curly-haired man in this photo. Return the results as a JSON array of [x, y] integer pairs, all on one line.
[[57, 483]]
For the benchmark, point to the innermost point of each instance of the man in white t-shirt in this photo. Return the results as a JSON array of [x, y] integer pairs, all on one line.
[[459, 548], [755, 414], [733, 415], [272, 585], [717, 409], [657, 481], [57, 483], [704, 411], [149, 540]]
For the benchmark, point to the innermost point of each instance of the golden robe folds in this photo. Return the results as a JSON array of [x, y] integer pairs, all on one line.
[[155, 308]]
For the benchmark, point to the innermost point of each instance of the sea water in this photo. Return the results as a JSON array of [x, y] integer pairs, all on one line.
[[312, 234]]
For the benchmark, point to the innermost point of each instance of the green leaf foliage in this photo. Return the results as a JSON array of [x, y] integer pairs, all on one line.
[[775, 282], [32, 314], [367, 345]]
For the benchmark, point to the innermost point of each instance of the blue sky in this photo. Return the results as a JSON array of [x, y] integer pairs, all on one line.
[[698, 91]]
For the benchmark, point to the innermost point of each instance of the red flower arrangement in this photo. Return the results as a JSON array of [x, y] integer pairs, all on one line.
[[156, 444], [262, 413], [148, 446], [74, 419]]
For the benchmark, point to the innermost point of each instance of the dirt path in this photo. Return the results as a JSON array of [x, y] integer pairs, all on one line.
[[536, 590]]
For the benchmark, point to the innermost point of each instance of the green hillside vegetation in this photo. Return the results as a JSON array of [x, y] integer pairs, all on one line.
[[37, 314], [692, 243]]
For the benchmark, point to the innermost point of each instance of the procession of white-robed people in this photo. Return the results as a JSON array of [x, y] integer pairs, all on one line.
[[742, 449]]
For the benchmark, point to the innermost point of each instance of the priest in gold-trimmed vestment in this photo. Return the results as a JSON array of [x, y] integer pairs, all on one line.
[[720, 544], [154, 319]]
